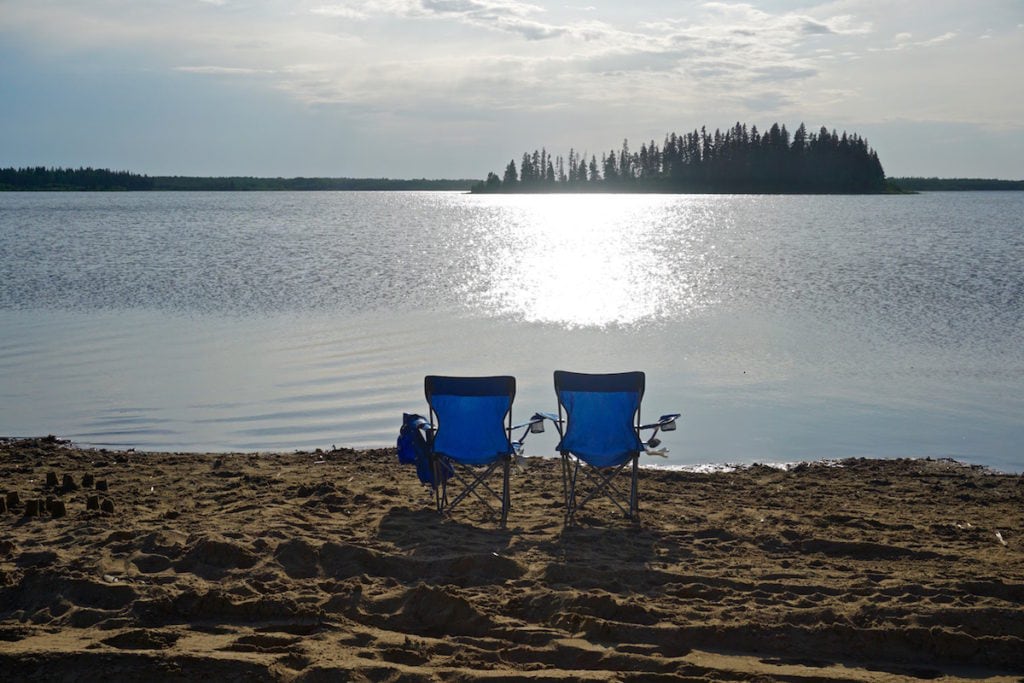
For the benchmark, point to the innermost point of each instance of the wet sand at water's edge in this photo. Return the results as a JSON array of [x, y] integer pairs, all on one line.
[[333, 566]]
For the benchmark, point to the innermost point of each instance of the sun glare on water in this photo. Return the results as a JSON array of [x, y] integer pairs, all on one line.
[[588, 261]]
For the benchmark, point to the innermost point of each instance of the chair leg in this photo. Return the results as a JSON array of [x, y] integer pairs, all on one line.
[[565, 482], [566, 486], [634, 498], [470, 483], [570, 473], [440, 486], [603, 484], [505, 497]]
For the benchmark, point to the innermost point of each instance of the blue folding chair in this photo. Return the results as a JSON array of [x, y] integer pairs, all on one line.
[[599, 427], [468, 437]]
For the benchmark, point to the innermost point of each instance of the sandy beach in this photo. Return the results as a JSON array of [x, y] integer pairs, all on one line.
[[333, 566]]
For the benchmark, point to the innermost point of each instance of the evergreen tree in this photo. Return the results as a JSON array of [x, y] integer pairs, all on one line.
[[609, 167], [625, 161], [511, 176], [526, 169]]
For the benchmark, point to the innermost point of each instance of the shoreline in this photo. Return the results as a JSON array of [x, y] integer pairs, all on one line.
[[306, 566], [652, 462]]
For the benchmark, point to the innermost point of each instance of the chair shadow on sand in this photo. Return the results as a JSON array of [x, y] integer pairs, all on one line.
[[580, 557], [425, 533], [614, 558]]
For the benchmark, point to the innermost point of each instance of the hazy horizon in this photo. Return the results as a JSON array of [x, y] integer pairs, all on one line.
[[456, 88]]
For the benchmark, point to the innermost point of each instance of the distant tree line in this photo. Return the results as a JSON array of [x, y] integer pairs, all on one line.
[[238, 184], [739, 160], [955, 184], [42, 178], [645, 171], [92, 179]]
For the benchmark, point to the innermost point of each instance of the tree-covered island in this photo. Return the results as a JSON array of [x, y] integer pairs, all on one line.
[[739, 160]]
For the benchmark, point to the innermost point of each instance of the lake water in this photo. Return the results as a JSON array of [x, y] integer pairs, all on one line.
[[784, 328]]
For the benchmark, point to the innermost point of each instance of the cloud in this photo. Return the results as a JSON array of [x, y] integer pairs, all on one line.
[[904, 42], [780, 73], [766, 101], [506, 16], [794, 24], [498, 15], [711, 55], [221, 70], [339, 11], [531, 30], [812, 27], [484, 7], [945, 37], [468, 55]]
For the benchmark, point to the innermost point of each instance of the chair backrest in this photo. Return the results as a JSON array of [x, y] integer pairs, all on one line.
[[471, 417], [602, 414]]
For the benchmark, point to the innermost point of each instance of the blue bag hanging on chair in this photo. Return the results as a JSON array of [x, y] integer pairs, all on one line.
[[413, 449], [411, 441]]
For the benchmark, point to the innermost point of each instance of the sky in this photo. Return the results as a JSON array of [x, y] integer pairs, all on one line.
[[457, 88]]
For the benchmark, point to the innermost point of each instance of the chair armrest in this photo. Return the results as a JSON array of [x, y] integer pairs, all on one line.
[[424, 424], [534, 426], [537, 418], [665, 423]]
